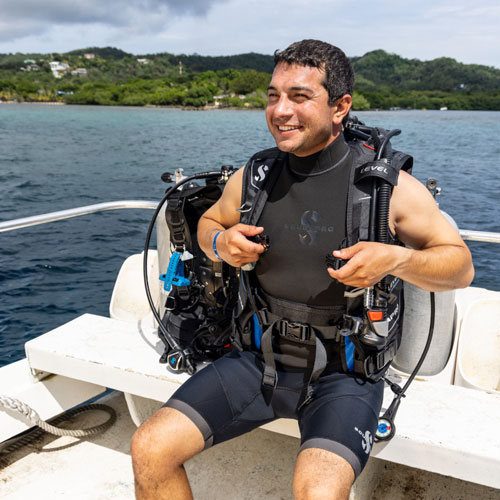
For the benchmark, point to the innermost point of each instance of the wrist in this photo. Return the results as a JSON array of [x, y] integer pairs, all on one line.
[[214, 244], [404, 256]]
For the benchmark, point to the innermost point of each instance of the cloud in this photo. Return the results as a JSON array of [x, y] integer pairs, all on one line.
[[425, 30], [24, 18]]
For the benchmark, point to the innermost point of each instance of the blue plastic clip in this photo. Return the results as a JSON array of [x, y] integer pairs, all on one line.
[[175, 273]]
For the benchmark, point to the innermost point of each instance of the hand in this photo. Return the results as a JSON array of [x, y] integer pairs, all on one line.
[[234, 247], [368, 263]]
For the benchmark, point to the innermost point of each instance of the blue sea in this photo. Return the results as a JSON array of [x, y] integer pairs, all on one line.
[[59, 157]]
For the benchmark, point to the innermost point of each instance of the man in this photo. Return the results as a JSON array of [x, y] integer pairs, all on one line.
[[310, 94]]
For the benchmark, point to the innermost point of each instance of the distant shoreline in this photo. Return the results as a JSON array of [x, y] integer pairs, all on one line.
[[213, 108], [156, 106], [47, 103]]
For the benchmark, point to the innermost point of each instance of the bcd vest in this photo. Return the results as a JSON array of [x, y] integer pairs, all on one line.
[[281, 332]]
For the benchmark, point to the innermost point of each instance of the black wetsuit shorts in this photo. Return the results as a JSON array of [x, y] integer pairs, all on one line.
[[225, 400]]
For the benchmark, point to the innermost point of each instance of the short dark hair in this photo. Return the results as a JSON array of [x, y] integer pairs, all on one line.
[[339, 73]]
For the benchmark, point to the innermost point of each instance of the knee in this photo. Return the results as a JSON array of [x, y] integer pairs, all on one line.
[[164, 442], [314, 490], [321, 475], [151, 449]]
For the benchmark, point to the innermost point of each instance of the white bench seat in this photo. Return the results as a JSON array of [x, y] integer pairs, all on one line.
[[449, 430]]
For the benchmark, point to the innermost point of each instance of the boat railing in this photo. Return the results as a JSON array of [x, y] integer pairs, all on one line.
[[11, 225], [35, 220]]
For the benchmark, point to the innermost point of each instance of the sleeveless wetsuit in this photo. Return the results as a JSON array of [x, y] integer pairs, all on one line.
[[305, 219]]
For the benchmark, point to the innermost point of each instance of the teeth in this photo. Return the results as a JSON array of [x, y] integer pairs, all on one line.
[[285, 128]]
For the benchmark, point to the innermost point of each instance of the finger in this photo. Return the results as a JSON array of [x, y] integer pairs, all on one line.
[[347, 253], [251, 248], [346, 272], [240, 247], [247, 230], [260, 248]]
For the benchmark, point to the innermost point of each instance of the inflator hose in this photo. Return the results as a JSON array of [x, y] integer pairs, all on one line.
[[381, 198], [377, 183], [383, 204]]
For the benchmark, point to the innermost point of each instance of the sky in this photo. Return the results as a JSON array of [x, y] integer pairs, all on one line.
[[464, 30]]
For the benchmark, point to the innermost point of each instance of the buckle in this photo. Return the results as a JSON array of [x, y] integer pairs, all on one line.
[[269, 379], [294, 330], [175, 204], [351, 325]]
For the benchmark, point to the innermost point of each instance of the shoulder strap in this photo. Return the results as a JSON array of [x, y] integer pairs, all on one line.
[[363, 169], [261, 172]]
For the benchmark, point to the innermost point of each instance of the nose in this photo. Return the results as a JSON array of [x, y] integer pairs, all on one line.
[[283, 108]]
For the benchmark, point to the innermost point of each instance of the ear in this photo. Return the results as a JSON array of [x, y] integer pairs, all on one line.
[[341, 108]]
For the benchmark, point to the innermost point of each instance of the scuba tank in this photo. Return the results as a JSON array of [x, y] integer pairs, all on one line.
[[194, 321], [416, 325], [416, 320]]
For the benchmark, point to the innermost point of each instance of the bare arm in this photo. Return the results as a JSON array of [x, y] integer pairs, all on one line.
[[232, 244], [437, 260]]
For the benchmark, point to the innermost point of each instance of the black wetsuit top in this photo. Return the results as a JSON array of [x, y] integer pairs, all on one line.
[[305, 218]]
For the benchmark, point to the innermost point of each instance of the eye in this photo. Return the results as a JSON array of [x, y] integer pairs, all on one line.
[[273, 96], [300, 97]]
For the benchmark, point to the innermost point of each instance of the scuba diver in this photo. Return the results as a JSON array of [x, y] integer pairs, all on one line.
[[310, 341]]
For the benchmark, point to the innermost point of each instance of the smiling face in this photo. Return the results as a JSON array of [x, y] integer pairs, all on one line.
[[298, 114]]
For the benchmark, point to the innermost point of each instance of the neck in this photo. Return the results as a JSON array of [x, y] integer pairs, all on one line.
[[321, 161]]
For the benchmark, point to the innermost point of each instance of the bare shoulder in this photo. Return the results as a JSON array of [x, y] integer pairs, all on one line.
[[232, 191], [408, 195], [224, 211], [416, 218]]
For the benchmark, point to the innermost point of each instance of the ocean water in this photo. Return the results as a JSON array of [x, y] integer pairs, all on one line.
[[58, 157]]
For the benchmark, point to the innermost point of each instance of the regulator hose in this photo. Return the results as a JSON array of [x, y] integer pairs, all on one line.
[[386, 428], [174, 345]]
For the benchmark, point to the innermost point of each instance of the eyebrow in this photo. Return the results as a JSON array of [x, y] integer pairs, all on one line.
[[299, 88]]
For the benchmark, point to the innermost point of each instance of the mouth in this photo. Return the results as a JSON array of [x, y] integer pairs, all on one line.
[[288, 128]]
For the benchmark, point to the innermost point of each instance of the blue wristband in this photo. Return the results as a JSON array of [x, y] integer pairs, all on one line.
[[214, 248]]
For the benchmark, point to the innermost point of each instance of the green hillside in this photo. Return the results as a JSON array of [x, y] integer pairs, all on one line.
[[111, 76]]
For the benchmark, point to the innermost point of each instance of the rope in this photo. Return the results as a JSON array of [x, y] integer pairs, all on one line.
[[32, 416]]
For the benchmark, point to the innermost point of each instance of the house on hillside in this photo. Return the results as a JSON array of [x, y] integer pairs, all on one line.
[[89, 55], [58, 68], [79, 72]]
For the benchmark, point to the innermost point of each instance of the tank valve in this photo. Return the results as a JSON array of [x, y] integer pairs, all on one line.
[[433, 188]]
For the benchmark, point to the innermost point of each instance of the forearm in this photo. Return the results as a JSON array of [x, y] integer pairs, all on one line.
[[437, 268], [207, 229]]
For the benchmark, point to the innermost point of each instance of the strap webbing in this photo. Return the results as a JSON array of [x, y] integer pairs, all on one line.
[[270, 376], [294, 311]]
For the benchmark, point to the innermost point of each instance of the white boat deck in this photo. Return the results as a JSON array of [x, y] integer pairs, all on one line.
[[99, 468], [445, 429]]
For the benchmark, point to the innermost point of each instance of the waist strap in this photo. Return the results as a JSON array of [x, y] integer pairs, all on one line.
[[303, 313], [297, 330]]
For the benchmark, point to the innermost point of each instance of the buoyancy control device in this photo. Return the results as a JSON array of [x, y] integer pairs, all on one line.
[[196, 323], [370, 330]]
